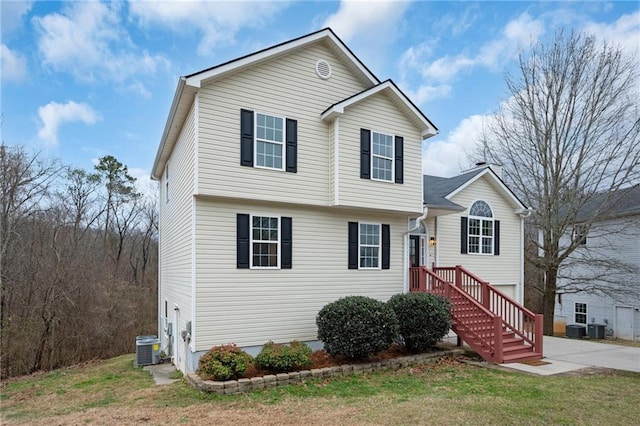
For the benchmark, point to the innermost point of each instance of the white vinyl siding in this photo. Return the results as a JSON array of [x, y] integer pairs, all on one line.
[[175, 230], [285, 86], [251, 307], [371, 193], [503, 270]]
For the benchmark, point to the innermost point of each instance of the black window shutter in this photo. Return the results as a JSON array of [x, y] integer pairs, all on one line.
[[365, 154], [463, 235], [386, 247], [353, 245], [292, 145], [242, 245], [399, 159], [246, 138], [286, 242], [496, 237]]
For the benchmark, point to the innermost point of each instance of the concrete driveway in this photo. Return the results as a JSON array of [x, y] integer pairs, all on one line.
[[562, 355]]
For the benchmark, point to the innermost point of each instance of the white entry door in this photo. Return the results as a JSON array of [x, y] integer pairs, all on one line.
[[624, 323]]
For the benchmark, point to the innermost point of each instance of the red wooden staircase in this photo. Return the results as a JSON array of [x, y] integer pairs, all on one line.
[[498, 328]]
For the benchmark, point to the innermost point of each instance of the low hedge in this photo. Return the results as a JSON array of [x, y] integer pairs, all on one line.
[[223, 363], [280, 358]]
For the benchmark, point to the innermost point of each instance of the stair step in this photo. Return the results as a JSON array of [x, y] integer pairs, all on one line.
[[521, 357]]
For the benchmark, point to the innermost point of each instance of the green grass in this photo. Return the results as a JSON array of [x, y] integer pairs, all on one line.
[[448, 392]]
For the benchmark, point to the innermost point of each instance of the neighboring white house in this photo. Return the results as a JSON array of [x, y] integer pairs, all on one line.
[[292, 177], [590, 291]]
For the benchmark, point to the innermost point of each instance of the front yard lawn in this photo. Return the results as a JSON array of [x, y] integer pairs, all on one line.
[[451, 392]]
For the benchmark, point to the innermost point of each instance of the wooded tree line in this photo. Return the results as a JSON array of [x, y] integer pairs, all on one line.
[[78, 262]]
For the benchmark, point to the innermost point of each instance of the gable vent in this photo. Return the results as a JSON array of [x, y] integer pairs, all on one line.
[[323, 69]]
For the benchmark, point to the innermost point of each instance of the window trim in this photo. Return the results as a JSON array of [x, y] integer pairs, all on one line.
[[283, 144], [392, 158], [482, 219], [166, 182], [379, 246], [576, 313], [278, 243]]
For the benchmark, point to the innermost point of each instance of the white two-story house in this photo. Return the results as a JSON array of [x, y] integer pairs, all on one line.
[[288, 180]]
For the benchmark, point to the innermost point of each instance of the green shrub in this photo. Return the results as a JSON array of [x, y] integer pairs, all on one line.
[[424, 318], [223, 363], [282, 358], [356, 327]]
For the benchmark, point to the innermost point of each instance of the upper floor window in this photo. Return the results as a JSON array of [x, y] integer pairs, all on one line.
[[580, 234], [268, 141], [480, 231], [381, 156]]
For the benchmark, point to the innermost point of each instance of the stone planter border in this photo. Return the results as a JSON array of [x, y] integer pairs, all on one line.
[[283, 379]]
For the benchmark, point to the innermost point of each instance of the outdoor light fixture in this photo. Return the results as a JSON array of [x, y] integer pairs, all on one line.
[[432, 241]]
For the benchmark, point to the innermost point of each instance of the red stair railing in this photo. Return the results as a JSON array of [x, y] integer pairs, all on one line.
[[515, 317], [480, 328]]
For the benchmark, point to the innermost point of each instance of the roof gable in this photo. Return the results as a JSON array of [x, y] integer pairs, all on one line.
[[388, 87], [438, 191], [189, 85]]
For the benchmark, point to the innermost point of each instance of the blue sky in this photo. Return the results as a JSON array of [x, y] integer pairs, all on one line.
[[81, 80]]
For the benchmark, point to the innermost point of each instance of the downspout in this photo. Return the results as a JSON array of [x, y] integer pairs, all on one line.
[[405, 275], [523, 213]]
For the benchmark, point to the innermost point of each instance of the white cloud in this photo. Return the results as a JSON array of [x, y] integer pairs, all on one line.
[[87, 40], [369, 28], [447, 157], [217, 21], [623, 32], [12, 14], [14, 66], [436, 75], [54, 114], [144, 184]]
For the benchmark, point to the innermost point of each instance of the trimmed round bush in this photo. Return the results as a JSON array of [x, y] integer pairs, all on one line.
[[424, 318], [356, 327], [223, 363], [280, 358]]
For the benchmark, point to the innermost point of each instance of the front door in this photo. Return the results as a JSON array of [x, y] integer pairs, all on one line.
[[414, 250]]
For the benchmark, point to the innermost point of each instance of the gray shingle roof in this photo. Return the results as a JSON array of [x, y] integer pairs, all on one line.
[[436, 188], [623, 202]]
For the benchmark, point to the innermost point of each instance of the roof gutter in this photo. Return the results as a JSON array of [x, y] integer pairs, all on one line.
[[172, 114]]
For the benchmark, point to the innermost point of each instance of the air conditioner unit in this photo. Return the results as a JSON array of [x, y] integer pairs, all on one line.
[[147, 350]]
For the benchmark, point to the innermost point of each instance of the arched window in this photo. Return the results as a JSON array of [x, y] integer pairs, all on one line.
[[481, 235]]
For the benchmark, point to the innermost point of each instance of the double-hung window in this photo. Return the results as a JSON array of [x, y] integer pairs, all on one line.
[[580, 234], [264, 241], [369, 245], [382, 156], [481, 226], [580, 313], [269, 141]]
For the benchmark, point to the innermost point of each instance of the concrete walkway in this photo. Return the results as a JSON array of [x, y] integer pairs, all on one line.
[[161, 373], [563, 355]]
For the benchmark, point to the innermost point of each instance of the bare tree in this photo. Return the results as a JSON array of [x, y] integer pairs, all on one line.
[[568, 133]]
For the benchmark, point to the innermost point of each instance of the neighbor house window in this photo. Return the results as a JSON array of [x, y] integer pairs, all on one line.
[[268, 141], [581, 313], [481, 226], [580, 234], [382, 156], [369, 245], [265, 241]]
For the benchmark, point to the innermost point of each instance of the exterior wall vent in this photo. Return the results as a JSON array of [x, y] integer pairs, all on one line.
[[323, 69]]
